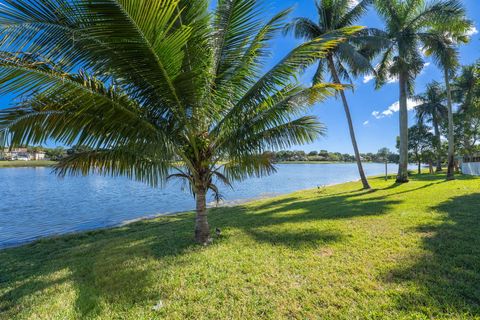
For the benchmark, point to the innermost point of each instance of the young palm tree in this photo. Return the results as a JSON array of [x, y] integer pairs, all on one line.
[[157, 89], [442, 45], [346, 60], [409, 24], [433, 110]]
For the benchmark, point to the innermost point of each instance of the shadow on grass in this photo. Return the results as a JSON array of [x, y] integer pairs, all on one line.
[[86, 259], [448, 277]]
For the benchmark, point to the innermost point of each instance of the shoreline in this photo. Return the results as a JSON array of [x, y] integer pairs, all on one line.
[[226, 204], [5, 164]]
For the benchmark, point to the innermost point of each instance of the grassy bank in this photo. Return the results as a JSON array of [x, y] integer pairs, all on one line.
[[407, 251], [22, 164], [313, 162]]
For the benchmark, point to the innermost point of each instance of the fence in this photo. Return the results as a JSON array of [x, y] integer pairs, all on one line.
[[471, 168]]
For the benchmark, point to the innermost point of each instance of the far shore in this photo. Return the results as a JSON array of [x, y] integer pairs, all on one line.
[[26, 164], [318, 162]]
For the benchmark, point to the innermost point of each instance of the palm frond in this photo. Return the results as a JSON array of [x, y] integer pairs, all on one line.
[[303, 28], [300, 58], [136, 162]]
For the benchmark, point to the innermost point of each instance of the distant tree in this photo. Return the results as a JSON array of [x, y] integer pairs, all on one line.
[[432, 109], [323, 153], [466, 93], [348, 158], [79, 149], [313, 153], [382, 155], [55, 154], [420, 144]]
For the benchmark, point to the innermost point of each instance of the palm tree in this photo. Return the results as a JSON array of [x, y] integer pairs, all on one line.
[[433, 110], [442, 45], [157, 89], [347, 59], [465, 92], [409, 24]]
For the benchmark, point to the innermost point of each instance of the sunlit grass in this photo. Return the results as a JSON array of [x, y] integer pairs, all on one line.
[[16, 163], [402, 251]]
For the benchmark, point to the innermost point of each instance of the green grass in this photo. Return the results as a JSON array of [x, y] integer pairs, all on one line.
[[407, 251], [22, 164], [312, 162]]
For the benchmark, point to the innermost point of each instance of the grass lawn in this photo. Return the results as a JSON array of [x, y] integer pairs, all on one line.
[[407, 251], [18, 164], [313, 162]]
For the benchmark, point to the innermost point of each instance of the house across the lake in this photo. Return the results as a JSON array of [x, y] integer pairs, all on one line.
[[21, 154], [471, 165]]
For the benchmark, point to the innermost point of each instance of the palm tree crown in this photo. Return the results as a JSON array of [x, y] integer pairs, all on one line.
[[157, 85], [432, 103]]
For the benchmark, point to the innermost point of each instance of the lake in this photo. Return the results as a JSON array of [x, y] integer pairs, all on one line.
[[35, 203]]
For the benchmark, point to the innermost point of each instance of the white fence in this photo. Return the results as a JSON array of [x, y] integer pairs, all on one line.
[[471, 168]]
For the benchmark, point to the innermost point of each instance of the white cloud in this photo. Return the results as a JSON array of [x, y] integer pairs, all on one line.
[[392, 79], [473, 30], [368, 78], [353, 3], [365, 122], [395, 107]]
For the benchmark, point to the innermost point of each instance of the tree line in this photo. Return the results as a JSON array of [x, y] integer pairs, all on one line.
[[427, 139], [326, 156]]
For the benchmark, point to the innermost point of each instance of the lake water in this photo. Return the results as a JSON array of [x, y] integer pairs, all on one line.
[[35, 203]]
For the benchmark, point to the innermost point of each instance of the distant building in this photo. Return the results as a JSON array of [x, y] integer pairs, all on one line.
[[21, 154], [471, 165], [38, 155]]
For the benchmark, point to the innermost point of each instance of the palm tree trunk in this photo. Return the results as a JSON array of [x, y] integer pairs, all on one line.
[[202, 230], [361, 172], [451, 142], [402, 175], [439, 144]]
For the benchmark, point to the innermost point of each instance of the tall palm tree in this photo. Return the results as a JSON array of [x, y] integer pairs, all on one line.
[[157, 89], [343, 62], [466, 92], [433, 110], [408, 25], [442, 46]]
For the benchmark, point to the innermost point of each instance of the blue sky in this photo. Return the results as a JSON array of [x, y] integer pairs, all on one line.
[[373, 132]]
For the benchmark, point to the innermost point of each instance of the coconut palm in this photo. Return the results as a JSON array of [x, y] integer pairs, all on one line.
[[347, 60], [466, 92], [157, 89], [408, 25], [432, 109], [442, 46]]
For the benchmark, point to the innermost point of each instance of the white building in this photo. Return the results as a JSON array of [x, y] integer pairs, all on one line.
[[21, 154], [471, 165], [38, 155]]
